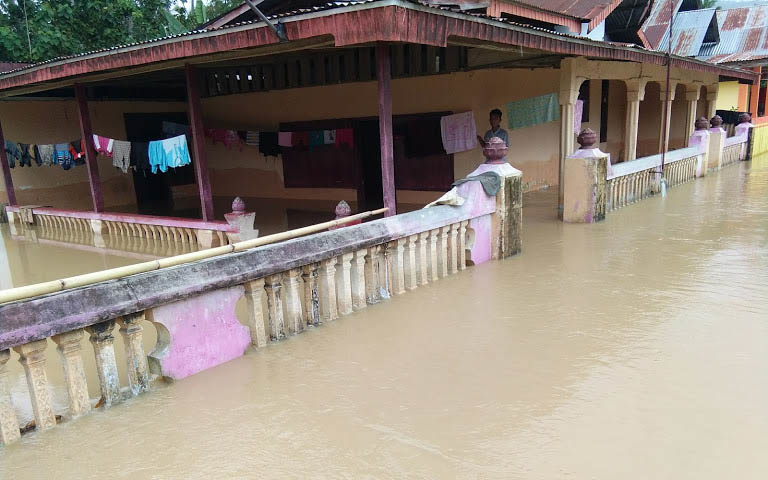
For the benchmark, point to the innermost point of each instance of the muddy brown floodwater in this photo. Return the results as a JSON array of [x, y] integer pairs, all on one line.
[[635, 349]]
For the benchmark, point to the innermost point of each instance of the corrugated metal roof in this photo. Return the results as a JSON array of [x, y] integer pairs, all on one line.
[[656, 26], [743, 36], [688, 32], [581, 9]]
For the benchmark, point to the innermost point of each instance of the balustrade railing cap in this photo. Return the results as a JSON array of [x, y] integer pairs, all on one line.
[[702, 123], [495, 150], [238, 205], [343, 209], [745, 118], [587, 139], [716, 121]]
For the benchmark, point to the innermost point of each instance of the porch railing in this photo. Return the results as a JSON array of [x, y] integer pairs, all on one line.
[[150, 227], [288, 287], [639, 179]]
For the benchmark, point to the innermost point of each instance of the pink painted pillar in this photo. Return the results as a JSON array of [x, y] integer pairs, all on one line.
[[86, 134], [198, 142], [384, 75], [6, 171]]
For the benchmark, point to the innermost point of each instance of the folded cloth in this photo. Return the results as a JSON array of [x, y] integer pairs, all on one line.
[[171, 152], [458, 132], [121, 155], [103, 145], [252, 138], [12, 152], [25, 158], [345, 137], [268, 144], [285, 139], [77, 151], [63, 156], [316, 138], [140, 156], [491, 182], [46, 154], [451, 197]]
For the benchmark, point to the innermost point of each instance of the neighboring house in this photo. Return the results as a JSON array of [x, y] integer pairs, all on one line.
[[343, 66]]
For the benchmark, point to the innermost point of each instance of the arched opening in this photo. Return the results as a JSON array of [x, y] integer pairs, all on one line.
[[701, 105], [678, 125], [613, 118], [650, 120]]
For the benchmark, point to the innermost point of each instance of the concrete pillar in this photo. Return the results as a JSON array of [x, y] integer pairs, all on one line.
[[585, 182], [357, 278], [328, 307], [6, 170], [409, 263], [397, 267], [344, 284], [200, 162], [32, 358], [106, 366], [372, 288], [700, 138], [311, 294], [712, 91], [9, 424], [135, 358], [422, 258], [716, 145], [74, 374], [666, 114], [86, 134], [273, 288], [294, 318], [570, 83], [384, 75], [255, 322], [635, 95], [692, 94]]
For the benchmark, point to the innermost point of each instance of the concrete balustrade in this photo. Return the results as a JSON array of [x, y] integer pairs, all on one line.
[[306, 281]]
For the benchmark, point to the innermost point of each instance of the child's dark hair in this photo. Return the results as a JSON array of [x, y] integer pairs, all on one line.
[[496, 112]]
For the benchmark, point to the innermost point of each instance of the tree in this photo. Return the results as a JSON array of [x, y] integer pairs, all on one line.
[[35, 30], [709, 3]]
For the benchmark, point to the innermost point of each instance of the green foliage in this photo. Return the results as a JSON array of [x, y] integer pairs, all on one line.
[[709, 3], [35, 30]]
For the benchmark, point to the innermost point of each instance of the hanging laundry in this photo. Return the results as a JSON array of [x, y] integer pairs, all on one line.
[[46, 154], [25, 159], [229, 138], [140, 156], [329, 137], [252, 138], [268, 144], [121, 155], [77, 151], [173, 129], [316, 138], [62, 155], [171, 152], [578, 114], [285, 139], [533, 111], [459, 132], [103, 145], [232, 139], [12, 153], [345, 137], [36, 154], [300, 139]]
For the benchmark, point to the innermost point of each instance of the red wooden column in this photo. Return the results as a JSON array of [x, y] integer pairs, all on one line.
[[86, 133], [6, 171], [198, 142], [384, 75]]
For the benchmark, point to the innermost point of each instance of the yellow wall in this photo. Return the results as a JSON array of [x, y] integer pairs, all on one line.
[[534, 149], [728, 96], [41, 122]]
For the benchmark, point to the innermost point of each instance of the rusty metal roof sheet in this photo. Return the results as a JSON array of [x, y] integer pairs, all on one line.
[[689, 32], [350, 23], [581, 9], [743, 36]]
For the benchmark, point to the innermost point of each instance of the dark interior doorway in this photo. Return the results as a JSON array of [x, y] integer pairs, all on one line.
[[154, 190]]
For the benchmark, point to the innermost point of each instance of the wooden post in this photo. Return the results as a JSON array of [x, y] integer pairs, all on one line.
[[384, 75], [6, 171], [86, 134], [198, 142]]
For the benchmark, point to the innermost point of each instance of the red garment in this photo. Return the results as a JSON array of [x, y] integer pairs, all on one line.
[[300, 139], [345, 137], [228, 138]]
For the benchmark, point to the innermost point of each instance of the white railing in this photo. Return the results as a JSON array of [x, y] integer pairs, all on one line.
[[734, 149], [629, 182]]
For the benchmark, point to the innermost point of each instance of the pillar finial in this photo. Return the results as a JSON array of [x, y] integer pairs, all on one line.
[[238, 205], [495, 150], [702, 123], [716, 121], [343, 210], [587, 139], [745, 118]]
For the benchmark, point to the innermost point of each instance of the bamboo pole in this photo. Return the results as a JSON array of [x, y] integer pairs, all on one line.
[[21, 293]]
